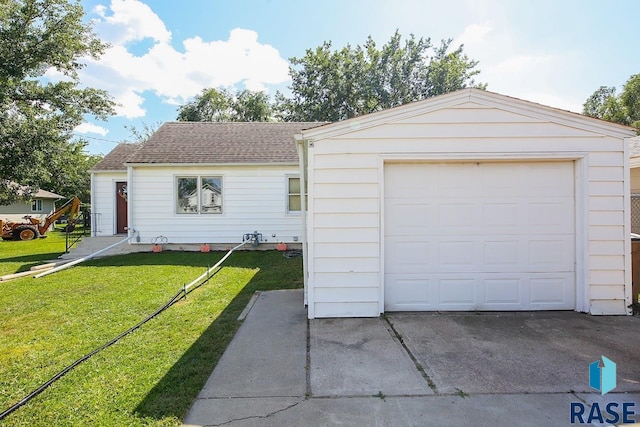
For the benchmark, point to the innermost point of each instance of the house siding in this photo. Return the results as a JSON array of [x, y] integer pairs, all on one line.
[[346, 186], [103, 221], [16, 211], [253, 199]]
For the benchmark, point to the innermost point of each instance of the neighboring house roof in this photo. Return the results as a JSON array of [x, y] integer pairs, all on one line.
[[44, 194], [222, 143], [115, 160], [41, 194]]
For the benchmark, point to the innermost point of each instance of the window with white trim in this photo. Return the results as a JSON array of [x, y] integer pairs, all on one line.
[[198, 194], [36, 206], [294, 200]]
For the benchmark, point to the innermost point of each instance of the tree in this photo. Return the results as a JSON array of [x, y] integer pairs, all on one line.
[[72, 175], [624, 108], [333, 85], [251, 106], [220, 105], [141, 135], [212, 105], [37, 116]]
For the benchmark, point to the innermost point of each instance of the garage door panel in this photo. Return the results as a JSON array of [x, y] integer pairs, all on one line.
[[501, 254], [418, 218], [553, 253], [413, 292], [489, 236], [457, 292], [405, 254], [402, 255], [520, 216], [456, 179], [494, 292], [503, 291]]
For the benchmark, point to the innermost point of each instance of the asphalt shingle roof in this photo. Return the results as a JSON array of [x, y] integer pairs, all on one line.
[[115, 160], [41, 194], [222, 143]]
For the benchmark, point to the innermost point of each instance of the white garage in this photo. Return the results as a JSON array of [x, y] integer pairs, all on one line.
[[467, 201]]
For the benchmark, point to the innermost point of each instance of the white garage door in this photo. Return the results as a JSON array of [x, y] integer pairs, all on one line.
[[479, 236]]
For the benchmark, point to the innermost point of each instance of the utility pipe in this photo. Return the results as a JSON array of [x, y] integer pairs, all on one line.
[[88, 257], [206, 273]]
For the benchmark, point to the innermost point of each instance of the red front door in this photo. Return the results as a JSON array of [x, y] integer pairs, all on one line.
[[121, 207]]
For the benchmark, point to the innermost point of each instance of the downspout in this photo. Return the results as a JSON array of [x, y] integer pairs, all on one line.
[[629, 298], [302, 165], [93, 205], [130, 192]]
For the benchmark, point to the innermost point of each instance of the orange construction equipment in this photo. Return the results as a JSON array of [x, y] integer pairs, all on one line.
[[35, 228]]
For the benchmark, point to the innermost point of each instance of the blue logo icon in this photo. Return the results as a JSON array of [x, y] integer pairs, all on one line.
[[602, 375]]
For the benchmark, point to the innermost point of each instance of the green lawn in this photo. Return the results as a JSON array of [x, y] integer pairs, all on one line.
[[149, 377], [22, 255]]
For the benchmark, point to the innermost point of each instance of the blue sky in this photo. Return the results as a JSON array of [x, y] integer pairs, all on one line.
[[164, 52]]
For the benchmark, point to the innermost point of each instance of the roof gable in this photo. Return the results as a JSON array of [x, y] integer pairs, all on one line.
[[222, 143], [475, 99]]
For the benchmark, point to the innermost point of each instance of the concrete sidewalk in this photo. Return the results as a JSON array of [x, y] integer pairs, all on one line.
[[281, 369]]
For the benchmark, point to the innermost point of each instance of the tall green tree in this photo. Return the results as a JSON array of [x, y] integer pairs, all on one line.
[[72, 167], [220, 105], [623, 108], [332, 85], [37, 116], [250, 106], [211, 105]]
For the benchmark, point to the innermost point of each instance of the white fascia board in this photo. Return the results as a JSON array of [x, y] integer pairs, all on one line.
[[151, 165]]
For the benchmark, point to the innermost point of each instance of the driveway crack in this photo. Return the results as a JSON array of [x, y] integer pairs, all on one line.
[[413, 358], [258, 417]]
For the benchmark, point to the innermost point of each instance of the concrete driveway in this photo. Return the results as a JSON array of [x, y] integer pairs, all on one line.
[[416, 369], [526, 352]]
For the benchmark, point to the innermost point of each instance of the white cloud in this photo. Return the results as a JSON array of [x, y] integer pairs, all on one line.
[[131, 20], [86, 128], [473, 35], [173, 75]]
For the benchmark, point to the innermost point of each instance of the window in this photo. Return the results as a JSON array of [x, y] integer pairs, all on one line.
[[294, 202], [36, 206], [199, 194]]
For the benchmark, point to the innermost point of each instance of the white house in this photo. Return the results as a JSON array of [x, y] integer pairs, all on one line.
[[467, 201], [195, 182]]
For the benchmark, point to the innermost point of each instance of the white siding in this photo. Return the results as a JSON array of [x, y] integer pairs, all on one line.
[[103, 198], [346, 186], [253, 199]]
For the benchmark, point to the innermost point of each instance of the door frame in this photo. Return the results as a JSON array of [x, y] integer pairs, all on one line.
[[581, 169]]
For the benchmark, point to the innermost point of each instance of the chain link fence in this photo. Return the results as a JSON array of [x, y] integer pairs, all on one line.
[[635, 213]]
